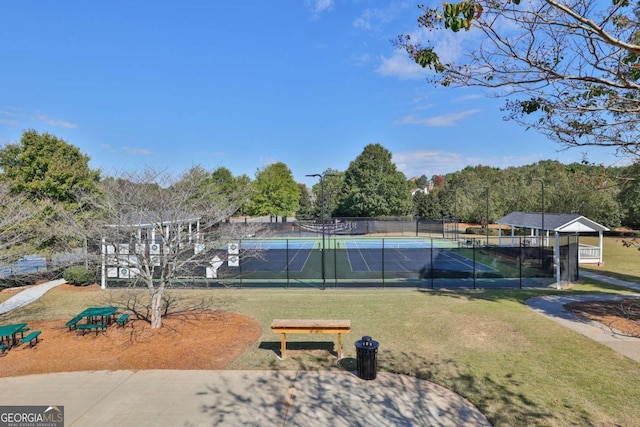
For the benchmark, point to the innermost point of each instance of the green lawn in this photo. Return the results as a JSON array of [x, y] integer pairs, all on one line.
[[518, 367], [619, 260]]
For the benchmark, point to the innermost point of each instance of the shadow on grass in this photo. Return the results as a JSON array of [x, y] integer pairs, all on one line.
[[499, 399], [294, 346]]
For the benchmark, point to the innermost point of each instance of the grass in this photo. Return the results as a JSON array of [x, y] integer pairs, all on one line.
[[518, 367], [620, 261]]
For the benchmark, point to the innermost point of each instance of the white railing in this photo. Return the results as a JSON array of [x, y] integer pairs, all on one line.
[[588, 254]]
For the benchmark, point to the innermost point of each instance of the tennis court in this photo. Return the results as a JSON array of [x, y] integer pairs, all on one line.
[[356, 256], [275, 255], [407, 256]]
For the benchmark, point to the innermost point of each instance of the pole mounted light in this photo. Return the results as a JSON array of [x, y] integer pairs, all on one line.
[[322, 177], [486, 192], [542, 230]]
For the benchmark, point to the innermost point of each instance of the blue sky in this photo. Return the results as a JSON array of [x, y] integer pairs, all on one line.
[[242, 84]]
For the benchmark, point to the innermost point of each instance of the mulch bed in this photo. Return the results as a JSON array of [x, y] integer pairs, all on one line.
[[193, 340], [622, 315]]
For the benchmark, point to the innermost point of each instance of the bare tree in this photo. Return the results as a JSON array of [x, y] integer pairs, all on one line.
[[569, 69], [161, 229]]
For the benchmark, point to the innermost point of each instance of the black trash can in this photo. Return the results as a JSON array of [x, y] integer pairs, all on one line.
[[366, 358]]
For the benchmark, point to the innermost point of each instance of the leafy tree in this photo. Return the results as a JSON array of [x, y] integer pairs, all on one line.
[[629, 197], [333, 180], [427, 205], [44, 166], [221, 184], [274, 192], [373, 186], [305, 208], [422, 182], [570, 70], [575, 188], [55, 178]]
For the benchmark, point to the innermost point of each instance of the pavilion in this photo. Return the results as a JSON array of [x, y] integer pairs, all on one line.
[[541, 224]]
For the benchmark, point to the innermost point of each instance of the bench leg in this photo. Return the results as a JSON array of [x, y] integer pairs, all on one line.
[[283, 345], [339, 346]]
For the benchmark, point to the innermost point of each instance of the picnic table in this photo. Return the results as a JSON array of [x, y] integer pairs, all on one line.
[[96, 318], [8, 333], [104, 314]]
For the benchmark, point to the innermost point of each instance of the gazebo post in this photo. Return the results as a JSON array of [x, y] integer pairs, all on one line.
[[600, 243], [557, 257]]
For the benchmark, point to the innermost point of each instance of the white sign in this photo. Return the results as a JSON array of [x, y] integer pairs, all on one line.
[[233, 248], [233, 261]]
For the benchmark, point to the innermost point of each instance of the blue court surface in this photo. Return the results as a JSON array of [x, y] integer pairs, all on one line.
[[367, 255], [275, 255], [408, 256]]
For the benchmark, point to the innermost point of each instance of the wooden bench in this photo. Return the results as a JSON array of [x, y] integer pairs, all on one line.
[[309, 326], [33, 336], [122, 320], [91, 326]]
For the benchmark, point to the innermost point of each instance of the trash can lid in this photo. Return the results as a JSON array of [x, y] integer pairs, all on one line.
[[367, 342]]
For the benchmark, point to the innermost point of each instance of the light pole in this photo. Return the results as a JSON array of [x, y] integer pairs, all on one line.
[[542, 230], [322, 177], [486, 192]]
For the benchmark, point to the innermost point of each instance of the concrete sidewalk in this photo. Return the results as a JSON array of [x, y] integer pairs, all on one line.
[[241, 398], [28, 295], [552, 306]]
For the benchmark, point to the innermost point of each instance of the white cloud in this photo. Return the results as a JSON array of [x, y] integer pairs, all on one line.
[[15, 116], [449, 46], [360, 60], [54, 122], [10, 122], [400, 65], [372, 19], [445, 120], [138, 151], [319, 6], [430, 162]]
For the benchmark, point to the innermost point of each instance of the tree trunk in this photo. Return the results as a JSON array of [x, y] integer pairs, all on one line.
[[156, 313]]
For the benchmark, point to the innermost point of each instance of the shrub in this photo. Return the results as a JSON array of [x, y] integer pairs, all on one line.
[[480, 231], [78, 276]]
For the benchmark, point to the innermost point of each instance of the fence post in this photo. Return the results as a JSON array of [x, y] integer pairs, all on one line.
[[382, 255], [431, 262], [473, 248], [287, 252], [520, 248]]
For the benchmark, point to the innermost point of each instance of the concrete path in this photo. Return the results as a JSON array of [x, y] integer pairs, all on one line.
[[241, 398], [29, 295], [552, 306], [624, 283]]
